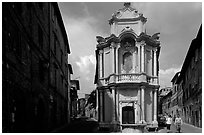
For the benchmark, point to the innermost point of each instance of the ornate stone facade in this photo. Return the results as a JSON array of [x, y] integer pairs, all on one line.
[[127, 72]]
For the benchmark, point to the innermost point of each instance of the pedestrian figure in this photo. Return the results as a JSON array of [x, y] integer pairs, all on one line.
[[178, 123], [168, 123], [174, 118]]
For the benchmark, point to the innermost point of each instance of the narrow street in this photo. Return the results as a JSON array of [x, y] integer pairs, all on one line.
[[79, 125], [186, 128]]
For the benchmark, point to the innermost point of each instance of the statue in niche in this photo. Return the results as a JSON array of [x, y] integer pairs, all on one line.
[[127, 62], [127, 45]]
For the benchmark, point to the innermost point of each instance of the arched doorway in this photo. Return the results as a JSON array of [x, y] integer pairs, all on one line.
[[128, 116]]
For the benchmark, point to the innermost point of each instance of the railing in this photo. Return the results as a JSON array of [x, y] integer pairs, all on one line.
[[129, 78]]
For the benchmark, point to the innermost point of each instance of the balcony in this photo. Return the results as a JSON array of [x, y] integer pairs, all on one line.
[[129, 78]]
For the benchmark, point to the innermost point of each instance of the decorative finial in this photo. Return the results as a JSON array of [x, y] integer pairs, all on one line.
[[127, 4]]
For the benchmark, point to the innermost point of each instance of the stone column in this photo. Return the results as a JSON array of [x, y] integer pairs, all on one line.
[[142, 58], [139, 104], [155, 64], [100, 64], [120, 108], [117, 108], [150, 106], [114, 108], [136, 109], [139, 64], [155, 107], [142, 104], [101, 105], [116, 55], [113, 56], [97, 103], [120, 114], [134, 62]]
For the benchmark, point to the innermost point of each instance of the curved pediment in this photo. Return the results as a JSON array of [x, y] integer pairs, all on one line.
[[127, 14]]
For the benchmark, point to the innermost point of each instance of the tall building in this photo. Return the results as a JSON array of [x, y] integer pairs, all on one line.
[[74, 97], [127, 72], [175, 94], [162, 99], [190, 83], [34, 67]]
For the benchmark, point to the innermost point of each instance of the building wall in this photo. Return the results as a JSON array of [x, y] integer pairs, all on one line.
[[30, 102], [189, 84], [192, 86]]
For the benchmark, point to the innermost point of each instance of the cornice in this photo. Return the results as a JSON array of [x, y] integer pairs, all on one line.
[[115, 19], [143, 37], [150, 40]]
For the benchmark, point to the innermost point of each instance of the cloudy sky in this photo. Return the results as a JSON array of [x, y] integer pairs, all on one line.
[[178, 24]]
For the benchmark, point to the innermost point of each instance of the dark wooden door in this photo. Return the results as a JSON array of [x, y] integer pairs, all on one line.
[[128, 115]]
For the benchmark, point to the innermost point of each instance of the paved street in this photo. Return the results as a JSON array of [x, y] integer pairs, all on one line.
[[186, 128], [80, 125], [87, 125]]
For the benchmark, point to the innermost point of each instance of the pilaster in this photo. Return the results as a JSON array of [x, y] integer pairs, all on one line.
[[139, 104], [155, 65], [142, 105], [114, 104], [139, 57], [155, 62], [101, 105], [113, 46], [120, 114], [117, 58], [142, 57], [136, 110], [100, 63], [134, 62], [155, 107]]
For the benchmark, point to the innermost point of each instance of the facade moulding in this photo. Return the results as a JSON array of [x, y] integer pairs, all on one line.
[[115, 19], [144, 38]]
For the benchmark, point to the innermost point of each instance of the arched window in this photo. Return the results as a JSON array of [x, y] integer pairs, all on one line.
[[127, 61]]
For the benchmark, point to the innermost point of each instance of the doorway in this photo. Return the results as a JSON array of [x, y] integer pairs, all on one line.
[[128, 116]]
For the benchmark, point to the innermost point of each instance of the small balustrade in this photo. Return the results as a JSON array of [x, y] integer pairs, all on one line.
[[128, 78]]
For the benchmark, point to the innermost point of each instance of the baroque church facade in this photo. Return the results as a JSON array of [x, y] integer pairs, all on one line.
[[127, 72]]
